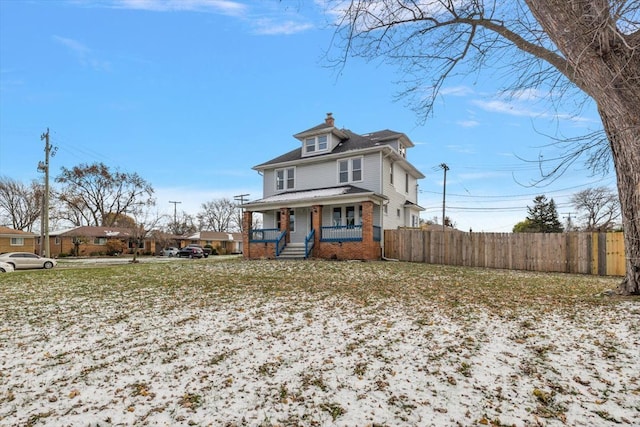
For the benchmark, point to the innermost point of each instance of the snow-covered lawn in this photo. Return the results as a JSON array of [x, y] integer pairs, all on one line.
[[231, 343]]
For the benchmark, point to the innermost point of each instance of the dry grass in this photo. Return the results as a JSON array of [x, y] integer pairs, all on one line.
[[314, 343]]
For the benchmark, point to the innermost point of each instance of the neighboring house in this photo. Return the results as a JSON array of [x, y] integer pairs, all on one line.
[[88, 241], [332, 196], [224, 243], [16, 240]]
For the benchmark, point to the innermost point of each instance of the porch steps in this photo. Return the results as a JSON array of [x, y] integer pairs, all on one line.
[[292, 251]]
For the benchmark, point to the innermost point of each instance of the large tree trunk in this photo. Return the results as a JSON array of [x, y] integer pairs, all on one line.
[[625, 145], [604, 61]]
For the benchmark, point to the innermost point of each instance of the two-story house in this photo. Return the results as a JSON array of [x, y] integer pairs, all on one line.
[[333, 196]]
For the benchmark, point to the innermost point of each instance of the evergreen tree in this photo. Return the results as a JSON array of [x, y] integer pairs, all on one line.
[[543, 216]]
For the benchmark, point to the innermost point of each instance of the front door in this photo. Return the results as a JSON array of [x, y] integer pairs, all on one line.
[[300, 224]]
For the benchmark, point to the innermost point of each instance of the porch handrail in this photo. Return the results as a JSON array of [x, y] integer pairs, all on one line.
[[309, 242], [281, 242]]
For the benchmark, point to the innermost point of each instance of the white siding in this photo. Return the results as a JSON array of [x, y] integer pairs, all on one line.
[[397, 195], [325, 174]]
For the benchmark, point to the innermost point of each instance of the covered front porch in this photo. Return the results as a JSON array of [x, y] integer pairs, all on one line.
[[340, 228]]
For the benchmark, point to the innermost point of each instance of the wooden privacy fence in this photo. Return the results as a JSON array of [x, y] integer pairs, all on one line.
[[585, 253]]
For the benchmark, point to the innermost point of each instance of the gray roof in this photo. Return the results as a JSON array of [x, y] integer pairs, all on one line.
[[314, 195], [352, 142]]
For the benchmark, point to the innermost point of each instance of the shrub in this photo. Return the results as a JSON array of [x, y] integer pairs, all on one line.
[[115, 247]]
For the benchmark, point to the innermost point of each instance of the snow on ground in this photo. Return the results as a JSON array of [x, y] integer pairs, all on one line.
[[148, 356]]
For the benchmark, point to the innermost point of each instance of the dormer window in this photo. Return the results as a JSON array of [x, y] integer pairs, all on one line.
[[403, 150], [315, 144]]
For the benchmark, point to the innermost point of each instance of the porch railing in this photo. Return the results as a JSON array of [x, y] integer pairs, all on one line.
[[269, 235], [281, 242], [342, 233], [348, 233], [309, 242]]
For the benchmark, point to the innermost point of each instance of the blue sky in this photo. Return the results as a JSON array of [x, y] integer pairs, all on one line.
[[192, 94]]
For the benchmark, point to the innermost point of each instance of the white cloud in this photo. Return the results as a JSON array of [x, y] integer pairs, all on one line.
[[267, 26], [254, 13], [225, 7], [468, 123], [497, 106], [463, 149], [83, 53], [456, 91]]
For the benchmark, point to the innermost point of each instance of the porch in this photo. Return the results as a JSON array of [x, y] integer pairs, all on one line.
[[307, 231], [275, 241]]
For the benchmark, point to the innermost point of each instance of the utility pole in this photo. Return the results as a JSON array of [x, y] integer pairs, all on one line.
[[240, 198], [44, 167], [444, 192], [175, 212], [568, 218]]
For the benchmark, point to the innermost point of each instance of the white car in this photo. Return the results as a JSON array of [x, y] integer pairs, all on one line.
[[5, 267], [26, 260], [170, 252]]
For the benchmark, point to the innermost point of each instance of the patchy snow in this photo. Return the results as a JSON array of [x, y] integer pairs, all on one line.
[[150, 357]]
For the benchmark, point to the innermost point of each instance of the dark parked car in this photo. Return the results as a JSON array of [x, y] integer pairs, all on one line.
[[205, 250], [191, 252]]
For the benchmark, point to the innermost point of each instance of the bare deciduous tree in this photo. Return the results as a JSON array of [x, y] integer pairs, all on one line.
[[183, 224], [20, 204], [95, 195], [598, 208], [588, 46], [218, 215]]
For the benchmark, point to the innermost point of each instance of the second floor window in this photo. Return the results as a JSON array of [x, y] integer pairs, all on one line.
[[350, 170], [406, 182], [285, 179]]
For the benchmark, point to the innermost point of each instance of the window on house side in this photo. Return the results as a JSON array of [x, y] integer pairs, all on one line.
[[356, 169], [285, 179], [337, 217], [406, 182], [391, 174], [398, 212], [292, 221], [351, 216], [350, 170], [17, 241]]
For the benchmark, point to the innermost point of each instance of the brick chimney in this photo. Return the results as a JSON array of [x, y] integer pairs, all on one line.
[[329, 119]]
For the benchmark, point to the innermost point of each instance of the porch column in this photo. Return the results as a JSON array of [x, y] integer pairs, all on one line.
[[316, 224], [247, 220], [368, 245], [284, 223]]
